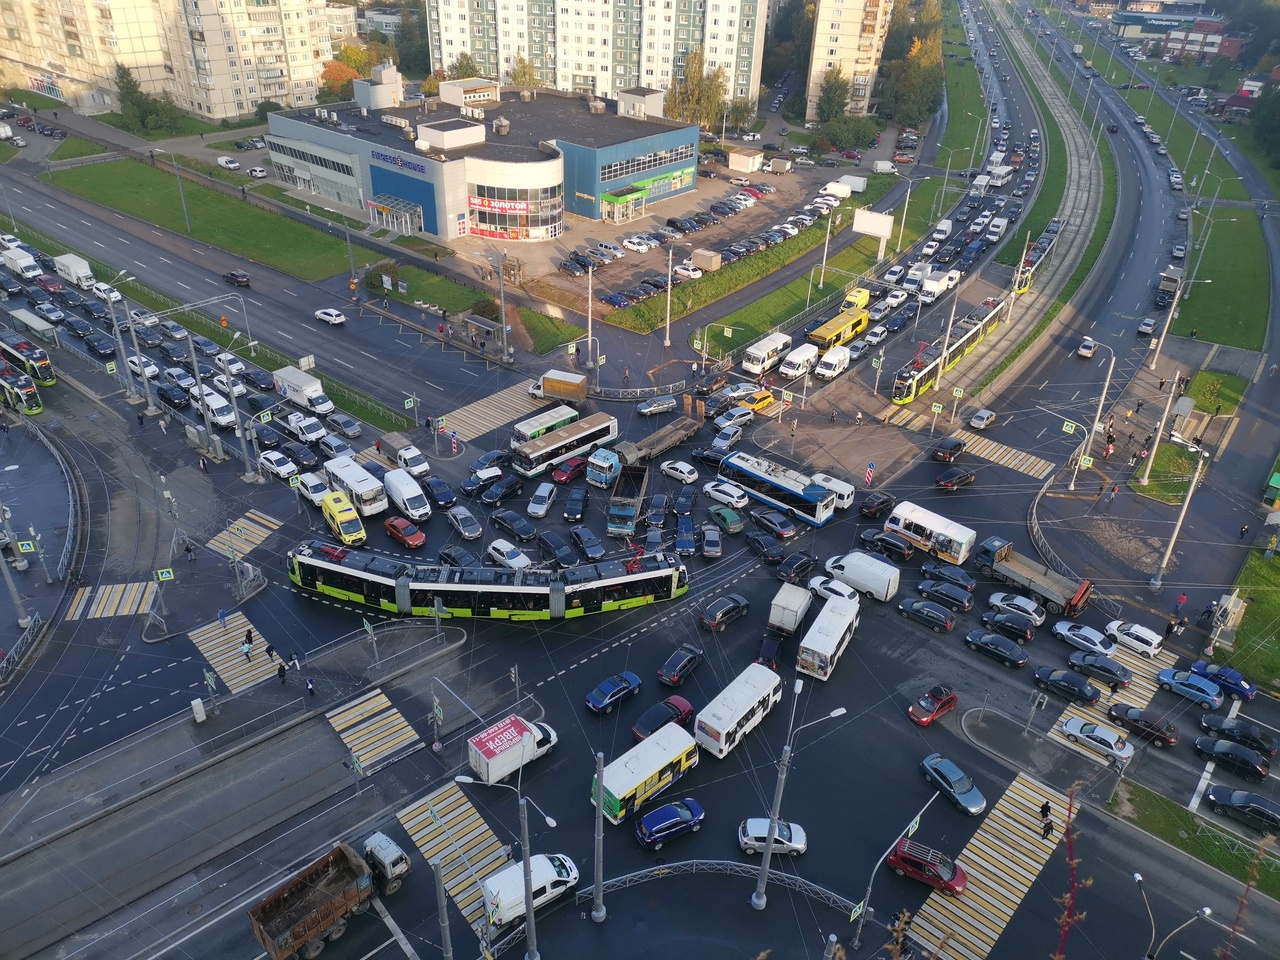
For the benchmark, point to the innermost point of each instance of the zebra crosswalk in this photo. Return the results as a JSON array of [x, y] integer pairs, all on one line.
[[250, 531], [221, 646], [975, 443], [1142, 688], [374, 731], [493, 412], [445, 824], [1002, 861], [113, 600]]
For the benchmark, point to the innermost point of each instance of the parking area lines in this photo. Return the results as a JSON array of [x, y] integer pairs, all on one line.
[[493, 412], [244, 534], [221, 646], [444, 824], [117, 599], [374, 731], [1005, 456], [1002, 861]]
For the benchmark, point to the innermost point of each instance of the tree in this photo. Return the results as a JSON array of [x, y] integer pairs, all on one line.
[[380, 52], [463, 68], [134, 104], [267, 106], [1217, 72], [833, 95], [336, 80], [431, 85], [930, 16], [741, 110], [898, 38], [1265, 125], [697, 97], [357, 58], [523, 73]]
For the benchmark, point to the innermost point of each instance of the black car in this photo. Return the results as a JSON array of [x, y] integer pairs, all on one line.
[[769, 549], [507, 487], [171, 395], [587, 542], [637, 294], [707, 219], [552, 547], [671, 710], [575, 504], [947, 594], [954, 478], [35, 296], [711, 456], [583, 261], [101, 344], [1150, 725], [890, 544], [255, 405], [682, 506], [712, 407], [899, 321], [1251, 809], [261, 379], [147, 337], [452, 556], [1234, 757], [706, 385], [570, 268], [722, 611], [936, 618], [656, 280], [268, 437], [876, 505], [997, 647], [796, 567], [770, 651], [1100, 667], [1068, 685], [172, 353], [948, 448], [655, 514], [494, 458], [1013, 625], [682, 662], [10, 286], [68, 298], [440, 493], [78, 326], [237, 278], [514, 524], [1240, 731], [478, 483], [300, 454], [947, 572]]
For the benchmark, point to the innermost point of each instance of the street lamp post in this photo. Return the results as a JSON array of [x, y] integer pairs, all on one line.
[[9, 206], [351, 257], [182, 197], [759, 900], [671, 252], [905, 205], [1102, 401], [1153, 952], [502, 301], [142, 370], [115, 328]]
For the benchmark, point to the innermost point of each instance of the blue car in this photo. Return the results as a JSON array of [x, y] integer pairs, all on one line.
[[686, 539], [666, 823], [614, 300], [1230, 680], [1204, 692], [611, 692], [720, 210]]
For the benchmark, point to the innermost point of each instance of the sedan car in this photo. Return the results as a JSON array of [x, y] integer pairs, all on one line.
[[461, 519], [1070, 686], [1205, 693], [1149, 725], [946, 594], [277, 464], [1241, 731], [829, 587], [1084, 638], [229, 385], [588, 543], [1228, 679], [575, 504], [1101, 667], [332, 317], [771, 521], [609, 693], [939, 700], [1252, 809], [876, 505], [948, 573], [725, 518], [142, 366], [953, 783], [658, 827], [301, 454], [955, 477], [514, 524], [726, 493], [680, 664], [768, 548], [674, 709], [439, 493], [789, 838], [996, 646], [405, 533], [936, 618], [982, 419], [341, 423], [1013, 603], [1234, 757], [1110, 743], [1088, 347], [678, 470]]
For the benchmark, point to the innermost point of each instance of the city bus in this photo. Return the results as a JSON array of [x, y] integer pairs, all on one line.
[[765, 354], [579, 439], [792, 492], [737, 709], [646, 770], [29, 358], [840, 329], [363, 489], [827, 639], [398, 587], [544, 422], [20, 391], [943, 539]]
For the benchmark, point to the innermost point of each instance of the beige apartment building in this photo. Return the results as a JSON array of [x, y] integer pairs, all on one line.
[[848, 34]]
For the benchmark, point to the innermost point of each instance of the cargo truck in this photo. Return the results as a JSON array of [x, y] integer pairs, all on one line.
[[559, 385], [501, 750], [302, 390], [780, 165], [6, 131], [883, 166], [21, 263], [789, 608], [602, 468], [995, 557], [313, 906], [856, 184], [837, 189], [915, 277], [75, 270], [625, 500], [1170, 279], [658, 442], [401, 451], [708, 261], [305, 428], [1078, 49], [933, 286]]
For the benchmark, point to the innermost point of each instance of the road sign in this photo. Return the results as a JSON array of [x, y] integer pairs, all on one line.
[[1086, 462], [408, 403], [875, 363], [857, 911], [603, 358], [295, 481], [437, 709], [111, 368], [164, 574], [871, 472], [913, 826], [937, 408], [1068, 426], [786, 396], [957, 392], [26, 546], [264, 416]]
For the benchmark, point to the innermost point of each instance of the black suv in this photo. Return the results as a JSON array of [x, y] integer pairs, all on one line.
[[552, 547]]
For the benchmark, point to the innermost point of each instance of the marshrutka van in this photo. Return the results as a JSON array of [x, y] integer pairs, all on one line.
[[406, 494], [799, 361], [833, 363]]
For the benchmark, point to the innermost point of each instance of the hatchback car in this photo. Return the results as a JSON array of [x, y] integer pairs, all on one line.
[[948, 448], [768, 548], [771, 521], [674, 709], [1149, 725], [953, 783], [587, 542], [462, 520], [725, 518], [406, 533], [609, 693], [937, 702], [659, 827], [541, 501], [719, 613], [1083, 638], [1205, 693], [789, 838], [936, 618], [876, 505], [1240, 730], [829, 587], [726, 493], [680, 664], [678, 470], [1235, 758], [1111, 744], [946, 594], [1228, 679], [1070, 686], [506, 554]]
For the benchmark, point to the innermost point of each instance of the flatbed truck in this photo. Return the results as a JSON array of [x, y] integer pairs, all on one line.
[[658, 442], [995, 557]]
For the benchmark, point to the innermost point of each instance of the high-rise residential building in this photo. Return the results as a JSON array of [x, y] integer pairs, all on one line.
[[602, 46], [217, 58], [848, 34]]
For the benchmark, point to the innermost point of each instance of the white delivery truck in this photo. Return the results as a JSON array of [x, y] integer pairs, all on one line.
[[799, 361], [75, 270], [916, 276], [406, 494], [855, 184], [302, 390], [553, 875], [943, 230], [833, 363], [933, 286], [501, 750], [845, 492], [790, 605], [304, 428], [837, 189], [996, 231], [21, 263], [401, 451], [883, 166], [870, 575]]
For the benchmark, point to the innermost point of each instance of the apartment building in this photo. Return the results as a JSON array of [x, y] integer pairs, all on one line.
[[848, 34], [601, 47]]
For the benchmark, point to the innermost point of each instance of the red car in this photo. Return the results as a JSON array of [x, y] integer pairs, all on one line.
[[404, 532], [48, 284], [570, 470], [674, 709], [932, 705], [851, 154]]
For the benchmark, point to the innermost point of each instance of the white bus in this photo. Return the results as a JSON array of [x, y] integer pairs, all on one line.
[[579, 439], [363, 489], [542, 423], [646, 770], [943, 539], [827, 639], [722, 723], [799, 496], [1001, 176], [766, 354]]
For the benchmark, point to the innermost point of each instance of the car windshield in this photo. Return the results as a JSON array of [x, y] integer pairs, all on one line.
[[784, 831], [960, 782]]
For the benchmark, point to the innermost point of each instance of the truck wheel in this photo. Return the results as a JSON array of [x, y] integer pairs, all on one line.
[[312, 950], [1054, 608], [337, 931], [986, 571], [392, 885]]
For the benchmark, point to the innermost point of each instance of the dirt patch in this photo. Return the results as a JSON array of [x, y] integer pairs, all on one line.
[[1121, 805], [1126, 541]]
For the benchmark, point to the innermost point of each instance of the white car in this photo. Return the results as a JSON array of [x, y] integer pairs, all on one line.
[[139, 365], [896, 298], [506, 554], [1179, 251], [313, 487], [462, 520], [9, 241], [930, 248], [1110, 743], [736, 417], [275, 462], [982, 419], [829, 587], [877, 334], [789, 229], [1013, 603], [751, 136], [788, 838], [636, 245], [740, 181], [727, 438], [688, 271], [895, 274], [746, 199], [258, 173], [332, 317], [726, 493], [229, 363], [228, 163], [1083, 638], [542, 500], [679, 470], [1147, 326], [144, 317], [1088, 347], [229, 385], [1134, 636]]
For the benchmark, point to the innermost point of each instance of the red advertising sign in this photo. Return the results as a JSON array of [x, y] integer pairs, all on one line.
[[501, 736], [500, 206]]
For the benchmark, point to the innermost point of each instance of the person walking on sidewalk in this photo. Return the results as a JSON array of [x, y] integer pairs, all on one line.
[[1162, 380], [271, 652], [1182, 602], [1168, 628], [1244, 532], [191, 554], [1138, 408], [281, 671], [293, 658], [311, 688], [1114, 490], [1046, 831]]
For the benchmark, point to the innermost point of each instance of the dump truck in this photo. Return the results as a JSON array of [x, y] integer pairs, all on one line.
[[401, 451], [658, 442], [302, 390], [995, 557], [313, 906], [790, 605], [75, 270], [499, 751], [625, 500], [1170, 279], [559, 385], [602, 468]]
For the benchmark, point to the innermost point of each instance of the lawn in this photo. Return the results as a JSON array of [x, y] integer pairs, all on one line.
[[1172, 468], [1230, 299], [432, 288], [274, 191], [424, 246], [73, 147], [1257, 653], [7, 151], [188, 127], [548, 333], [1209, 388], [32, 100]]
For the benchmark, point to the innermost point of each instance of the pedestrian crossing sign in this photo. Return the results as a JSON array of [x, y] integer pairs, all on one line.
[[493, 910], [1086, 462], [164, 574], [1068, 426]]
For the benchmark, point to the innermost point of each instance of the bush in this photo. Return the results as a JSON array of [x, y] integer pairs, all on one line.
[[373, 276], [486, 307]]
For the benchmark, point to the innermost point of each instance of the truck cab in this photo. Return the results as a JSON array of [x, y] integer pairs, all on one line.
[[389, 863]]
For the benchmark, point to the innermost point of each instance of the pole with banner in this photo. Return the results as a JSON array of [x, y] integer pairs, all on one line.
[[871, 472]]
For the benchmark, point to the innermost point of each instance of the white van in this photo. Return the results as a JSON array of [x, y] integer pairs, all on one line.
[[312, 487], [943, 230], [553, 875], [998, 226], [845, 492], [873, 576], [833, 363], [799, 361], [215, 404], [406, 494]]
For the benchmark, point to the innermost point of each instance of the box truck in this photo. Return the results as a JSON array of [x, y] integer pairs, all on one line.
[[401, 451], [790, 605], [833, 363], [943, 230], [559, 385], [302, 390], [501, 750], [855, 184], [933, 286], [780, 165], [870, 575], [996, 231], [883, 166], [915, 277], [837, 189], [21, 263], [708, 261], [75, 270]]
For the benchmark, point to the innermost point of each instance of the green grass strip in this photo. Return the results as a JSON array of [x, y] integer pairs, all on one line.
[[547, 332], [1210, 389], [74, 147]]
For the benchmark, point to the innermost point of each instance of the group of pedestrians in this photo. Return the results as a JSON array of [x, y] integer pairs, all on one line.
[[282, 669]]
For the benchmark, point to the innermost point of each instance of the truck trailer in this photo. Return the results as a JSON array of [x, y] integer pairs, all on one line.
[[625, 500], [501, 750], [658, 442], [995, 557]]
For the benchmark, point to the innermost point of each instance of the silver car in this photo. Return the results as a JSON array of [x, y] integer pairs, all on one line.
[[788, 838]]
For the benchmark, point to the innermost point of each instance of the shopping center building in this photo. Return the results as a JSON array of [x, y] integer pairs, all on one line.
[[481, 160]]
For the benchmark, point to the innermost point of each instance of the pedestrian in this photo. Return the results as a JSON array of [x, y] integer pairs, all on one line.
[[55, 114], [626, 374], [191, 554], [1138, 408], [1115, 688], [1045, 810], [1218, 411], [858, 418], [1162, 379], [204, 465], [202, 136], [1273, 369], [164, 426], [311, 688], [506, 851], [1144, 453], [248, 636], [1111, 422], [271, 652], [1193, 333], [1182, 602], [293, 658], [222, 619], [1147, 442], [1244, 531], [1131, 438], [5, 428], [1114, 490], [246, 650], [1047, 830], [1106, 453], [141, 419], [1182, 625], [833, 415], [386, 303], [1102, 488], [244, 195], [1128, 414], [1168, 628], [377, 446], [1133, 460], [437, 256], [281, 671]]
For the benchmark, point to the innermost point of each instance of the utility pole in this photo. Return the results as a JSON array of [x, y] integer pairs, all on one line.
[[1157, 582]]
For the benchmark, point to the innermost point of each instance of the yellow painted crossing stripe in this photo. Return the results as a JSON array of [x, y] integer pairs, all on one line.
[[113, 600], [221, 647], [491, 413], [445, 824], [1002, 861], [244, 534], [374, 731]]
